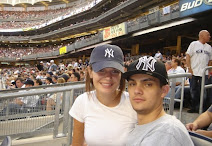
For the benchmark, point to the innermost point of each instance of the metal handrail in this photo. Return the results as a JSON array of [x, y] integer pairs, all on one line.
[[172, 97], [203, 87], [41, 86], [68, 94]]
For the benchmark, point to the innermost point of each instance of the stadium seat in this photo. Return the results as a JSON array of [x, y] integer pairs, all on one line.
[[200, 140], [7, 141]]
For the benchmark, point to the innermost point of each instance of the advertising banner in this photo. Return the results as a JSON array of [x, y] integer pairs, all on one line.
[[189, 7], [63, 50], [114, 31]]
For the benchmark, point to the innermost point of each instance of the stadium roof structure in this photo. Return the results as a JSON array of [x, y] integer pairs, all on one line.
[[34, 2]]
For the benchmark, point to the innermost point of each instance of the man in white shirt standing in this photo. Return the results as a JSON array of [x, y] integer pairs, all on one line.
[[198, 56]]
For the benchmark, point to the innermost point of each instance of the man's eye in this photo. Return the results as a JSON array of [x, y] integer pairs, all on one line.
[[131, 84], [148, 84]]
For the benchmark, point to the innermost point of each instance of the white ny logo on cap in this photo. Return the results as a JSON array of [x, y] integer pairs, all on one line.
[[109, 53], [149, 63]]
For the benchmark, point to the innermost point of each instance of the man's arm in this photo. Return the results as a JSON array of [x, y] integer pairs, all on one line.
[[188, 62], [205, 133], [202, 121]]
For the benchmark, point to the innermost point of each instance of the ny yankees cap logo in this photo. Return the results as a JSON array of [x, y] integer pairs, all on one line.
[[107, 56], [148, 63], [109, 53]]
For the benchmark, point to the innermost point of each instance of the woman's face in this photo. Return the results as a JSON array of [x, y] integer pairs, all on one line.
[[106, 81]]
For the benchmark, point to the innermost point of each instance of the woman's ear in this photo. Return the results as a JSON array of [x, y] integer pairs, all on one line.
[[165, 90], [90, 72]]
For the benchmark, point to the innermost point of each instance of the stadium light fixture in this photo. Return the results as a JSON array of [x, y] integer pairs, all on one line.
[[175, 23]]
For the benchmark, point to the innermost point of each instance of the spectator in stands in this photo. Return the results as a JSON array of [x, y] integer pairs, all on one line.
[[158, 55], [51, 101], [22, 104], [112, 115], [168, 65], [49, 81], [53, 66], [147, 86], [29, 83], [204, 120], [82, 75], [49, 74], [74, 77], [19, 82], [38, 82], [54, 78], [40, 66], [198, 56], [176, 68], [40, 75], [65, 76]]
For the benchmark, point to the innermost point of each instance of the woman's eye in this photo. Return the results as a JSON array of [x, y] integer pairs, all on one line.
[[116, 71], [102, 70]]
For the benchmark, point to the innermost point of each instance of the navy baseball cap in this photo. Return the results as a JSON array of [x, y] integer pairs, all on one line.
[[107, 56], [147, 65]]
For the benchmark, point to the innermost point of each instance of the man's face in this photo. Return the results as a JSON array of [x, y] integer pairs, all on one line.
[[206, 36], [145, 92], [73, 78], [19, 84], [173, 63]]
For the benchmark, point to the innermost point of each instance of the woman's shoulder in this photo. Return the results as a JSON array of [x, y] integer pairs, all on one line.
[[86, 95]]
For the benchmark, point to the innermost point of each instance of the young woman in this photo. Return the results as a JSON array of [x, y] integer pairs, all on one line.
[[103, 115]]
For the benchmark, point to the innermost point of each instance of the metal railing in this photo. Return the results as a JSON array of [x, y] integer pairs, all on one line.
[[53, 119], [31, 123], [173, 78], [203, 87]]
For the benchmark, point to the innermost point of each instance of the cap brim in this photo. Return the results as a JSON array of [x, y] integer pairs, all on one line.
[[126, 75], [97, 66]]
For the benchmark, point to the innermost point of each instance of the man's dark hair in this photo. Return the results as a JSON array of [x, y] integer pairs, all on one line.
[[77, 75], [39, 81], [20, 79], [177, 61]]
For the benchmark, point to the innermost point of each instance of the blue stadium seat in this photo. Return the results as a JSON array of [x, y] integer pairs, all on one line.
[[200, 140], [7, 141]]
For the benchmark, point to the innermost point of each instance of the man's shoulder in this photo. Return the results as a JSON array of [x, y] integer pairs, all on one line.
[[180, 69], [195, 42]]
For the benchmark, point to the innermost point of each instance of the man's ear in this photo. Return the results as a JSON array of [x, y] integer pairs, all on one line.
[[90, 72], [165, 90]]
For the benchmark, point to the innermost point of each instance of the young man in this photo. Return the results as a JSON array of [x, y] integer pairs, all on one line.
[[147, 86]]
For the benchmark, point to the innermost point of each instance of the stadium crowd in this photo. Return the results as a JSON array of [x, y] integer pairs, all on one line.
[[50, 72], [40, 17], [20, 51]]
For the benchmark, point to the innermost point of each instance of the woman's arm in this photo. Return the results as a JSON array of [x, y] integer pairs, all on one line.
[[78, 133]]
